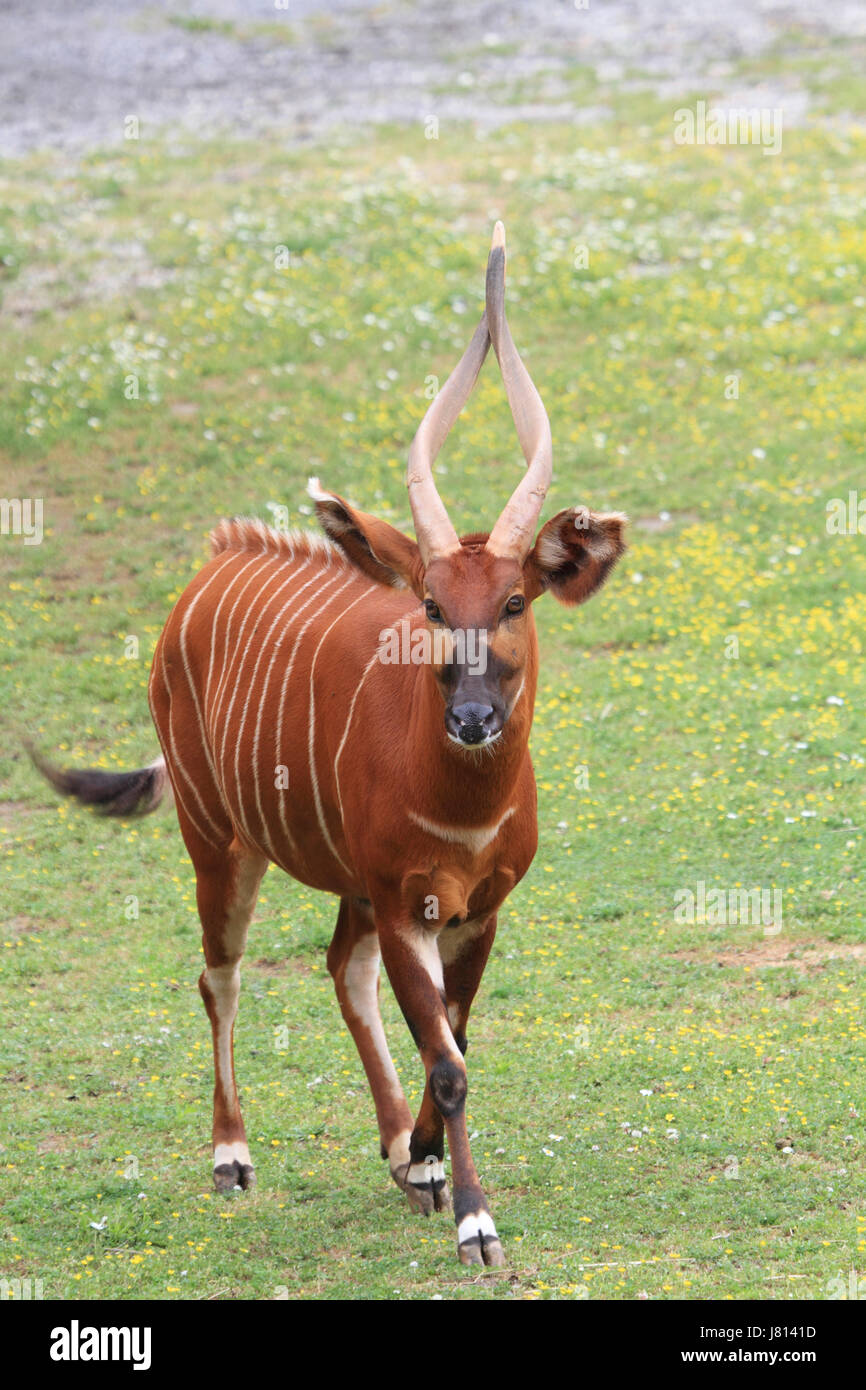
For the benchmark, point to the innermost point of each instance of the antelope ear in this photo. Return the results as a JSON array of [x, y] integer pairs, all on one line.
[[375, 547], [574, 553]]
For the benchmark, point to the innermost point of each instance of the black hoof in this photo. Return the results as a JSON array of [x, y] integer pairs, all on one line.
[[481, 1250], [228, 1176]]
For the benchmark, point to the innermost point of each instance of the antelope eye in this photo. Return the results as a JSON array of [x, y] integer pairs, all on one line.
[[433, 612], [515, 604]]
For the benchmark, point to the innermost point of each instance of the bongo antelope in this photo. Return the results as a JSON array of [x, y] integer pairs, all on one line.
[[404, 788]]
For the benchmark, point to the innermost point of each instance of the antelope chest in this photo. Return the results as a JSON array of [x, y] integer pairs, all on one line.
[[446, 896], [462, 873]]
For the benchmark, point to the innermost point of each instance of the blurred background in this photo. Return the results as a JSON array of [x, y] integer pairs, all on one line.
[[243, 243], [294, 69]]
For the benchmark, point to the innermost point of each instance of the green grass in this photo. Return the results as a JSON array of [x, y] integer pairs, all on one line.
[[199, 24], [274, 30], [633, 1080]]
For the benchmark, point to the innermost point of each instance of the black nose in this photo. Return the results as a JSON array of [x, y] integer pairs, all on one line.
[[473, 722]]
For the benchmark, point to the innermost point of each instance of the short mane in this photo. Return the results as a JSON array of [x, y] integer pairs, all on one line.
[[249, 533]]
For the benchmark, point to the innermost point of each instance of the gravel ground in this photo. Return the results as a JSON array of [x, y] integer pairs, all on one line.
[[69, 74]]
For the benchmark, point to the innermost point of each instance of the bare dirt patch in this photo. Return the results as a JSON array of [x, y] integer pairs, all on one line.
[[17, 926], [775, 952], [74, 76], [268, 966]]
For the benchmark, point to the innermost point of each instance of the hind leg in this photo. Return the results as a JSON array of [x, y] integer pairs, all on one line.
[[227, 886], [228, 874]]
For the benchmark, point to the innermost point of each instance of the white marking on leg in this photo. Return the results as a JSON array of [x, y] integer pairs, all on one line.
[[480, 1223], [423, 946], [431, 1170], [361, 983], [250, 871], [452, 941], [398, 1151], [224, 983], [236, 1152]]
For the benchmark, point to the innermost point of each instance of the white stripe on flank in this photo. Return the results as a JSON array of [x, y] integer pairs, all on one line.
[[243, 718], [205, 742], [474, 839], [367, 669], [310, 739], [256, 605], [208, 709], [176, 762], [229, 651], [255, 750], [282, 704], [178, 765], [297, 612]]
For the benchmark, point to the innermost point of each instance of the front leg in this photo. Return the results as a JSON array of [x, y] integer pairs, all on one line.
[[463, 950], [415, 969], [353, 960]]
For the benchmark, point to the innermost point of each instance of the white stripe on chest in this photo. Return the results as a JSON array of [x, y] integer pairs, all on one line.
[[473, 838]]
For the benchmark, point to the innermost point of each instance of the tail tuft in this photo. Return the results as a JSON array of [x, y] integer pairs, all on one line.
[[124, 794]]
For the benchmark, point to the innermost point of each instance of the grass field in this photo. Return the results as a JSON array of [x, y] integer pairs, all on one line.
[[661, 1107]]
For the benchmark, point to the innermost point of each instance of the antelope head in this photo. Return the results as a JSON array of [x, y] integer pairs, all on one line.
[[482, 585]]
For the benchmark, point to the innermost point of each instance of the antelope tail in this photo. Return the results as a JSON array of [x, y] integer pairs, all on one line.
[[124, 794]]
